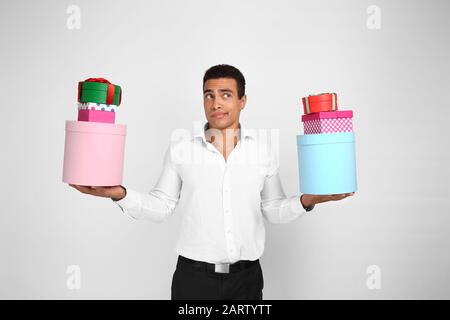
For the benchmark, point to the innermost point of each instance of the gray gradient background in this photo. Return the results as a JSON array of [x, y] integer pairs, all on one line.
[[396, 80]]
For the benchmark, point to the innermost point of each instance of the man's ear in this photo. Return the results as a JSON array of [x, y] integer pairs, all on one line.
[[243, 101]]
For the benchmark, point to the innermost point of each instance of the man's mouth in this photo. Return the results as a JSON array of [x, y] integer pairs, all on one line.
[[219, 115]]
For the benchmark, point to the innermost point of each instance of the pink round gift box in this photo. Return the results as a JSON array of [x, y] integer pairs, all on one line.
[[94, 153]]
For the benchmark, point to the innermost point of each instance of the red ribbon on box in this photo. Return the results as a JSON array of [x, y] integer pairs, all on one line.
[[109, 94]]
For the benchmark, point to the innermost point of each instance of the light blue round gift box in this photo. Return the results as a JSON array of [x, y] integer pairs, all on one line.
[[327, 163]]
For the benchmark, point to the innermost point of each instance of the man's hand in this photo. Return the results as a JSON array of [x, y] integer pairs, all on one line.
[[116, 193], [310, 199]]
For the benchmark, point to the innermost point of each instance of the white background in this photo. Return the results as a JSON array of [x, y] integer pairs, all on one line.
[[395, 79]]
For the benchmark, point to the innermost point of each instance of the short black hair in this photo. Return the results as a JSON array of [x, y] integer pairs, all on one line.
[[226, 71]]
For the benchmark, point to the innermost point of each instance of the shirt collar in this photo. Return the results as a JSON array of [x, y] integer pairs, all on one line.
[[245, 132]]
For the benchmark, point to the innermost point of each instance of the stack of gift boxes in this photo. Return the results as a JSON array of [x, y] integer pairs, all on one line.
[[322, 115], [98, 100], [95, 145], [326, 151]]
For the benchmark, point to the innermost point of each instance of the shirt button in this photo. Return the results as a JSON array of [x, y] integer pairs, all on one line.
[[229, 231]]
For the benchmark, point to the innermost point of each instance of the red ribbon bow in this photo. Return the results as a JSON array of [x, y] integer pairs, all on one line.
[[109, 94]]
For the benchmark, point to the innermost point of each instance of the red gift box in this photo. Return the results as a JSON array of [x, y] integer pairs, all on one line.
[[320, 103]]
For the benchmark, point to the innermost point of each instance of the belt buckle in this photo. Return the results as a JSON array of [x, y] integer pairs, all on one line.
[[222, 268]]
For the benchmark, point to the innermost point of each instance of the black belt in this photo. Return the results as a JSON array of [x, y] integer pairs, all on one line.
[[219, 267]]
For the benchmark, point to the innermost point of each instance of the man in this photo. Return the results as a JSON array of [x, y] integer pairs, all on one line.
[[223, 197]]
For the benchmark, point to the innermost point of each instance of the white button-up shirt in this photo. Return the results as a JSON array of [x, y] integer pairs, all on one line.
[[222, 202]]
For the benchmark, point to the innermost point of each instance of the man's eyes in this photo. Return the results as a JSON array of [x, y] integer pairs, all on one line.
[[225, 95]]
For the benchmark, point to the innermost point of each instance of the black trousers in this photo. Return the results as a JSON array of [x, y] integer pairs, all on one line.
[[193, 283]]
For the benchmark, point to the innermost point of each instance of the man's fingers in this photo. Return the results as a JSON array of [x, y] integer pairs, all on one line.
[[337, 196], [84, 189], [341, 196], [99, 191], [331, 197]]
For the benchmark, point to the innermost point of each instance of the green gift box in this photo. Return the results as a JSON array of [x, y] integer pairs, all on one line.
[[99, 90]]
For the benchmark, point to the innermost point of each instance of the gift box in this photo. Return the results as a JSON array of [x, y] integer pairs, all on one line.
[[319, 103], [328, 122], [96, 106], [96, 116], [94, 153], [99, 90], [327, 163]]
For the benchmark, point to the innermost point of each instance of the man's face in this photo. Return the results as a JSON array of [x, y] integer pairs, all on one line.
[[221, 103]]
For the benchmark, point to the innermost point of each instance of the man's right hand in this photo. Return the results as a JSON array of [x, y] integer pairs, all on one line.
[[116, 193]]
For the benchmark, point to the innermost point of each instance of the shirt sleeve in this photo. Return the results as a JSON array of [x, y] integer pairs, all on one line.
[[275, 206], [160, 202]]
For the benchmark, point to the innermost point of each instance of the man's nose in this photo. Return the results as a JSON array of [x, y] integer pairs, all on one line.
[[217, 104]]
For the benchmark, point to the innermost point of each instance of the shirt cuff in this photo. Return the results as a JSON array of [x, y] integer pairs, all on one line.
[[296, 205], [129, 201]]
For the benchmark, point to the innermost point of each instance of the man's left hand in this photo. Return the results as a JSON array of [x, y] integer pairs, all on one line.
[[310, 199]]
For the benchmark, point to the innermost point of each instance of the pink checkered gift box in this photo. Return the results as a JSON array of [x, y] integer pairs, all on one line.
[[328, 122]]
